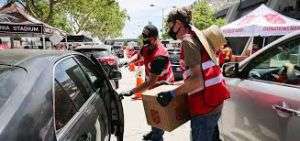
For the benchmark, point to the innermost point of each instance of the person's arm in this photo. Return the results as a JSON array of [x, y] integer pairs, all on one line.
[[228, 53], [195, 82], [147, 84], [137, 57], [192, 59], [157, 67]]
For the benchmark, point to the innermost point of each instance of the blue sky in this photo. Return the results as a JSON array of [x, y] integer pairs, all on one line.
[[141, 13], [2, 2]]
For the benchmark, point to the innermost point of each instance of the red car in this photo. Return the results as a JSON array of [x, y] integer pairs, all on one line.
[[104, 56]]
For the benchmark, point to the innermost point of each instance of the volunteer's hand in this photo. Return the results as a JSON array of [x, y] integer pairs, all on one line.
[[123, 63], [127, 93], [164, 98]]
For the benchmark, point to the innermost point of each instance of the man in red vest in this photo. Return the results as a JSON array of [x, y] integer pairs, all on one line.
[[158, 70], [204, 83]]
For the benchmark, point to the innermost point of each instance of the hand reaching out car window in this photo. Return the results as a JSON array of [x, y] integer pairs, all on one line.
[[279, 65]]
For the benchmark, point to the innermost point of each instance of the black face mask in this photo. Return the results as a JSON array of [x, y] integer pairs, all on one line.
[[150, 49], [146, 41], [172, 34]]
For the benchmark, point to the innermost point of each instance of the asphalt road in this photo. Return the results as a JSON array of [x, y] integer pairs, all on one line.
[[135, 121]]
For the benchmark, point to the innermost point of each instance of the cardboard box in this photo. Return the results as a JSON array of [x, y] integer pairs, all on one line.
[[167, 118]]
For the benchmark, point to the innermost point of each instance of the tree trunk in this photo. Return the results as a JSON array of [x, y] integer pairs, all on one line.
[[51, 11]]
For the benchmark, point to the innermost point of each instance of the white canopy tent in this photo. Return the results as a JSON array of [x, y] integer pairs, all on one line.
[[262, 21]]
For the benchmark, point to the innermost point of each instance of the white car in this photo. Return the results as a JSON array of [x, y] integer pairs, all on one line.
[[265, 94]]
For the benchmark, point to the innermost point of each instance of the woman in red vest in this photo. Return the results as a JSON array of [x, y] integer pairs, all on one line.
[[158, 70], [204, 83]]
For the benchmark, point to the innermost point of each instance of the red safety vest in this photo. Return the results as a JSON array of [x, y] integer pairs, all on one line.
[[215, 92], [160, 50]]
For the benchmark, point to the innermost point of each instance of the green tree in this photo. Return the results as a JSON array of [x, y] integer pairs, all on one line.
[[103, 18], [203, 15]]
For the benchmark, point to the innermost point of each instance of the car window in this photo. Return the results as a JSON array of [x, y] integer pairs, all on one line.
[[64, 106], [279, 64], [97, 53], [71, 77], [95, 75]]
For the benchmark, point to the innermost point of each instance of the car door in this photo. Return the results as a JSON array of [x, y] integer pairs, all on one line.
[[98, 81], [111, 100], [265, 100], [74, 103]]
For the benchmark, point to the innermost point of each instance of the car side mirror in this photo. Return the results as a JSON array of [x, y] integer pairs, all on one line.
[[231, 69], [115, 75]]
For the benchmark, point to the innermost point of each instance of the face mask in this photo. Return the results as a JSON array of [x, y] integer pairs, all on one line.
[[150, 49], [172, 34], [146, 41]]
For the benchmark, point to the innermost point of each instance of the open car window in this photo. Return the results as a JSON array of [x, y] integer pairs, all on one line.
[[280, 64]]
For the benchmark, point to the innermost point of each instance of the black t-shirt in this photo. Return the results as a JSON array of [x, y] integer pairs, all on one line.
[[159, 64]]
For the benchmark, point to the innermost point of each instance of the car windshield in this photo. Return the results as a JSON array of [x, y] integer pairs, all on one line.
[[96, 53], [10, 77]]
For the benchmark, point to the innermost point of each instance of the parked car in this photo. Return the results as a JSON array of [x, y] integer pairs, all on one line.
[[175, 62], [265, 94], [57, 96], [104, 56], [117, 49]]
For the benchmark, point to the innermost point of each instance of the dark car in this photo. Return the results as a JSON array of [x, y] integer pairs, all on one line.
[[104, 56], [175, 62], [57, 96], [117, 49]]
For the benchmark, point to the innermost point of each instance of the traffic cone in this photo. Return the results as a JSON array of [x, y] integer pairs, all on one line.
[[131, 67], [139, 81]]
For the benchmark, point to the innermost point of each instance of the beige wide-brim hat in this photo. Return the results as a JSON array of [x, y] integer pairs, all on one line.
[[212, 39]]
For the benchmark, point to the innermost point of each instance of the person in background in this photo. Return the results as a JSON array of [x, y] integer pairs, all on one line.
[[225, 55], [3, 45], [204, 85], [158, 70], [255, 48]]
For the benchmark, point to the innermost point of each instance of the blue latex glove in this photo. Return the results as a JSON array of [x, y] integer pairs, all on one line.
[[164, 98]]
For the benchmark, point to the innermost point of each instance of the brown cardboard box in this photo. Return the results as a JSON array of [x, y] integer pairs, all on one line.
[[167, 118]]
